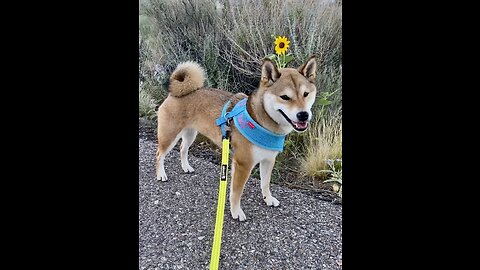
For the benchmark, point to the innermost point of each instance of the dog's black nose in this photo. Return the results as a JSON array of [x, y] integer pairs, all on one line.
[[302, 116]]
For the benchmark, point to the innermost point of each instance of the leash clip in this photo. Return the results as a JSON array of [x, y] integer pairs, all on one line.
[[227, 128]]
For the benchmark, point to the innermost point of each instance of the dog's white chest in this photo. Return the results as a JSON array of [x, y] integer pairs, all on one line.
[[259, 154]]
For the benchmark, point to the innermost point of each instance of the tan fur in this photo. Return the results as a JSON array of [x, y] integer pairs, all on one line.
[[189, 107]]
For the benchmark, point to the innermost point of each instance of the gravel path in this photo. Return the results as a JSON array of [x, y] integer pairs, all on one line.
[[176, 222]]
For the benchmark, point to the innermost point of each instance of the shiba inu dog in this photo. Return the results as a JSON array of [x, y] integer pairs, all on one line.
[[280, 104]]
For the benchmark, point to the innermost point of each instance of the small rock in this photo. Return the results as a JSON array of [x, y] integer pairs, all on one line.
[[201, 237]]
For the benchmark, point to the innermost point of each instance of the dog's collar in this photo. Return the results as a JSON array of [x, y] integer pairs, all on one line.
[[250, 129]]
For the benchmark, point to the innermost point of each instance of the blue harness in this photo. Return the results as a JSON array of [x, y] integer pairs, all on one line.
[[250, 129]]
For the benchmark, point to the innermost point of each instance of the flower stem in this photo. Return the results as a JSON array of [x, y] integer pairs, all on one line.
[[277, 59]]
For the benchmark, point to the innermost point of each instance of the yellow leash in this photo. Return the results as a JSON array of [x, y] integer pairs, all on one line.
[[222, 192]]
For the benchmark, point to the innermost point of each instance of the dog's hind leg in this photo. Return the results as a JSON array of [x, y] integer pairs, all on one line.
[[266, 167], [167, 138], [188, 136]]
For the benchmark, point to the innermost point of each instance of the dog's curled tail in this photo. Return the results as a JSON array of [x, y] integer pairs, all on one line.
[[186, 78]]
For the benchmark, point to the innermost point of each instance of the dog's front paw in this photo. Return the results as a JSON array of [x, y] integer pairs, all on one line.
[[271, 201], [162, 177], [238, 213], [187, 168]]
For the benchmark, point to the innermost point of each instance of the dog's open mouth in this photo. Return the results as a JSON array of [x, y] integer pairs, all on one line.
[[298, 126]]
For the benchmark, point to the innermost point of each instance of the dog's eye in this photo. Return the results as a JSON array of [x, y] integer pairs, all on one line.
[[285, 97], [305, 94]]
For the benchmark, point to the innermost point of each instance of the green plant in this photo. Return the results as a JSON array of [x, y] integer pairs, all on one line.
[[146, 106], [335, 173], [323, 101]]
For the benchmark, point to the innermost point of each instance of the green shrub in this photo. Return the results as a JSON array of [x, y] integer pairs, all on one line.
[[335, 173], [231, 39], [146, 105]]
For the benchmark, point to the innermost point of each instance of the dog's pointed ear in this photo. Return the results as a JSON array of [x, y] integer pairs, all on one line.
[[309, 69], [270, 72]]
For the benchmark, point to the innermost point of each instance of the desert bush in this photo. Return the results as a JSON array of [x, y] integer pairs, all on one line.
[[146, 105], [324, 143], [230, 38]]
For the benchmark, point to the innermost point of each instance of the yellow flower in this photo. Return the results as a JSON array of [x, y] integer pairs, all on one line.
[[281, 44]]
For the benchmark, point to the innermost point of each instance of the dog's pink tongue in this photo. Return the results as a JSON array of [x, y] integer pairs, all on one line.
[[300, 125]]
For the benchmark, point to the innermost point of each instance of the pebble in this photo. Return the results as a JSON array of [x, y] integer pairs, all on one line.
[[304, 231]]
